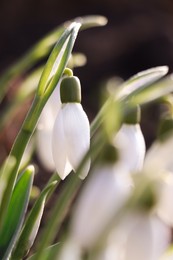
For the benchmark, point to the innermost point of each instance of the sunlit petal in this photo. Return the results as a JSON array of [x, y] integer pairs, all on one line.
[[44, 148], [59, 148], [165, 207], [77, 134], [102, 196], [159, 156], [130, 142]]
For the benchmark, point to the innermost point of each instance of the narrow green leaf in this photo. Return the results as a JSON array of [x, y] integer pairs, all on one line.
[[56, 59], [31, 226], [42, 48], [16, 212], [141, 80], [135, 85], [152, 92], [58, 212], [10, 163], [47, 251]]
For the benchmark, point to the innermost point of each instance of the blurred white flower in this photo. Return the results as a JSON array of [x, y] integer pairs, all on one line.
[[147, 238], [102, 196], [109, 187], [164, 207], [168, 255], [131, 146], [137, 236], [70, 251], [45, 128], [159, 156]]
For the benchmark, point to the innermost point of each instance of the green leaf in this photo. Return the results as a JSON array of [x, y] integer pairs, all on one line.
[[57, 59], [31, 226], [41, 49], [16, 212], [10, 163], [139, 81], [47, 251], [152, 92], [58, 212], [131, 89]]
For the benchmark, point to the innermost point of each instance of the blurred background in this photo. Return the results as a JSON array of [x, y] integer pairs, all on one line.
[[139, 35]]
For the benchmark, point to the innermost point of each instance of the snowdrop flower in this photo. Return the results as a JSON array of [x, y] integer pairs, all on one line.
[[168, 255], [164, 207], [71, 131], [147, 238], [45, 128], [138, 235], [159, 156], [130, 142], [104, 193], [109, 186]]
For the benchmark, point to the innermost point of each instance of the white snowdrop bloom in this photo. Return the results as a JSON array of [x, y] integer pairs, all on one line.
[[70, 251], [104, 193], [131, 144], [164, 207], [168, 255], [147, 238], [71, 132], [137, 235], [159, 156], [45, 128]]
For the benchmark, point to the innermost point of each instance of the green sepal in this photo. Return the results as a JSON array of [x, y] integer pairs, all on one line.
[[32, 224], [133, 116], [165, 129], [109, 155], [16, 212], [70, 90]]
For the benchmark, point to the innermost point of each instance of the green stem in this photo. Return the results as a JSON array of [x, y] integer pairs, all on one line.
[[58, 213], [17, 152]]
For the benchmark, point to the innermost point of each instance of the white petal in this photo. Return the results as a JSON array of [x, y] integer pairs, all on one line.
[[165, 205], [161, 234], [130, 142], [102, 196], [45, 129], [159, 156], [47, 119], [139, 240], [59, 148], [77, 134], [168, 255], [147, 237], [70, 251], [44, 148]]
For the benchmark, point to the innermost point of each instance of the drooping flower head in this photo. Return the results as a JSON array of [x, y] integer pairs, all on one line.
[[71, 132]]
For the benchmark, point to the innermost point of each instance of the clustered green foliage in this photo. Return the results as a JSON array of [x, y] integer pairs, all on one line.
[[18, 231]]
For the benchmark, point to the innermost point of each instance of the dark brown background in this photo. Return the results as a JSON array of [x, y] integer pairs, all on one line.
[[139, 35]]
